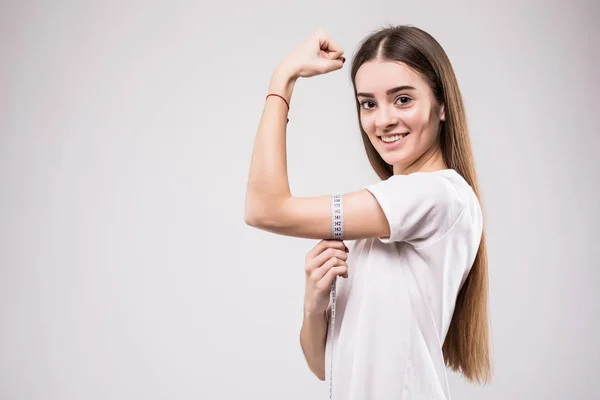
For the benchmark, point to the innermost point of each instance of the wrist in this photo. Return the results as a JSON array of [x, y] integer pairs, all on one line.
[[285, 73], [282, 83], [314, 315]]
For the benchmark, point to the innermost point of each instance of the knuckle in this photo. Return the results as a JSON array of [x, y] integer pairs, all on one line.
[[314, 279]]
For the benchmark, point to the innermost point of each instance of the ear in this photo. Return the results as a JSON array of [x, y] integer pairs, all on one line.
[[442, 113]]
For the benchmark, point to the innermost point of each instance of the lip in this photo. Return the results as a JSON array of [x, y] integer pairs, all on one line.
[[397, 143]]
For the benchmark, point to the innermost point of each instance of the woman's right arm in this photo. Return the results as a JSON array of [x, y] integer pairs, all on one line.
[[312, 339], [323, 263]]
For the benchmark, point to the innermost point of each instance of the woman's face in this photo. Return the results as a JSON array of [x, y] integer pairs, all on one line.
[[394, 99]]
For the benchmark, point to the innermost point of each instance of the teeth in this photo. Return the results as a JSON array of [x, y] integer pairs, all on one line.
[[390, 139]]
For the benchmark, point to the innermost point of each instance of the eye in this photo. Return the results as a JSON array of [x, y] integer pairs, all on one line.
[[405, 101], [408, 99], [366, 102]]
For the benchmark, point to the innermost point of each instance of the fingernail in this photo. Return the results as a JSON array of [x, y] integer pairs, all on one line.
[[343, 60], [347, 251]]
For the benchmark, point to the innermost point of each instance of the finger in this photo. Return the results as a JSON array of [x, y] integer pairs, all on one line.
[[318, 273], [325, 283], [319, 261], [323, 245], [322, 258], [326, 65], [329, 45], [333, 56], [329, 253]]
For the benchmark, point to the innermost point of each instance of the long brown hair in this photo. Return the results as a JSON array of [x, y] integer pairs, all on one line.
[[466, 346]]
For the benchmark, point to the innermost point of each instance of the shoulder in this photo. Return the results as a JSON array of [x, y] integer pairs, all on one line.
[[422, 206], [457, 199], [437, 186]]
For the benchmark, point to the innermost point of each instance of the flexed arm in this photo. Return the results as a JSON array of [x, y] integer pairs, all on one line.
[[269, 203]]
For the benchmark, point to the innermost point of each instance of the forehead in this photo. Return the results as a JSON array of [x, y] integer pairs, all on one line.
[[377, 76]]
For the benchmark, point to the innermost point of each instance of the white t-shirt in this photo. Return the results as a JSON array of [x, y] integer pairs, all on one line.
[[379, 349]]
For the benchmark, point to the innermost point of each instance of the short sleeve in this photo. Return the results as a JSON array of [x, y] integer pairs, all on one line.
[[420, 208]]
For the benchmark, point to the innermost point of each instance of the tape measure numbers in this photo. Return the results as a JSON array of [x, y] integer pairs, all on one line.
[[337, 230]]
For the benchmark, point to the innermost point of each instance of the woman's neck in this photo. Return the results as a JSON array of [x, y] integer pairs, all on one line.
[[431, 160]]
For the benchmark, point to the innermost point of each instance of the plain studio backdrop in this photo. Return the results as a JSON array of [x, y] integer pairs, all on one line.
[[126, 130]]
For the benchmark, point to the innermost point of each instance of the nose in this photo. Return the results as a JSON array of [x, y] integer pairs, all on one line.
[[385, 118]]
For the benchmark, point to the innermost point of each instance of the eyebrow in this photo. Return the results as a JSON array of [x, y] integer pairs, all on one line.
[[388, 92]]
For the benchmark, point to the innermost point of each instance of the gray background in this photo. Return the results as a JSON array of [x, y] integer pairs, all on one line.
[[126, 130]]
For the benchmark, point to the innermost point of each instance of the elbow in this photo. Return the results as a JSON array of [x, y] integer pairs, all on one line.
[[251, 220], [265, 217], [250, 212], [256, 219], [253, 211], [253, 217], [319, 371]]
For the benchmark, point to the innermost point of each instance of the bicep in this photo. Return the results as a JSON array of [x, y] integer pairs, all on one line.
[[310, 217]]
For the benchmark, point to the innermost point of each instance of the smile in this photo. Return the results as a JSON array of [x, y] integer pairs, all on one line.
[[394, 140]]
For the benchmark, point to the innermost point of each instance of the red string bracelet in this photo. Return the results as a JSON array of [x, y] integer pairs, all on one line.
[[282, 98]]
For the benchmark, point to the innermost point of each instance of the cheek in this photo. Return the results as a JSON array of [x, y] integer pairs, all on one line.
[[420, 122], [414, 120], [366, 122]]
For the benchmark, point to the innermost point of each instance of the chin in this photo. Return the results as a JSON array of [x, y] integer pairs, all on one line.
[[399, 156], [396, 160]]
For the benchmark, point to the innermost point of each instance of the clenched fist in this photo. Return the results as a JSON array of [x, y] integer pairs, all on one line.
[[318, 54]]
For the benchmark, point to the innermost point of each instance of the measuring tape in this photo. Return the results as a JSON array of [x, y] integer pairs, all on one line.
[[331, 352], [337, 231]]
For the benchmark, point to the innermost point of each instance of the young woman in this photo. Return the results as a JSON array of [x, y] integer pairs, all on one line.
[[414, 299]]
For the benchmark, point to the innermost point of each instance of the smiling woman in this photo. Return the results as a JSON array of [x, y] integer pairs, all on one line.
[[415, 297]]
